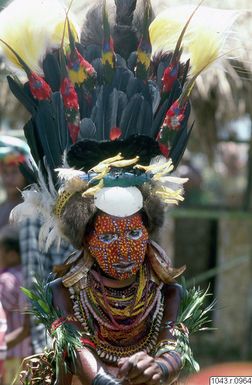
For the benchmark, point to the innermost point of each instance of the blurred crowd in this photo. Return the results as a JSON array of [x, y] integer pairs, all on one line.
[[21, 261], [219, 184]]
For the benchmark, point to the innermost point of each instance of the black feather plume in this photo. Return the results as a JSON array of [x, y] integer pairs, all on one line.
[[87, 129], [60, 124], [181, 139], [130, 116], [51, 70], [124, 34], [111, 111], [22, 95], [48, 134], [86, 154], [29, 173], [33, 141]]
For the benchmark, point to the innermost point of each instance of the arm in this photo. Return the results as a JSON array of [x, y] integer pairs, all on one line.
[[166, 346], [89, 369]]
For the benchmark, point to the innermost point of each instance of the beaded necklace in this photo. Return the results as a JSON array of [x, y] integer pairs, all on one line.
[[121, 321]]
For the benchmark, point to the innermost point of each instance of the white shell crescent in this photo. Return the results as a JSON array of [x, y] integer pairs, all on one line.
[[119, 201]]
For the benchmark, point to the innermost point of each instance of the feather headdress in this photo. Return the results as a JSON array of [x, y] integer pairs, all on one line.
[[110, 114]]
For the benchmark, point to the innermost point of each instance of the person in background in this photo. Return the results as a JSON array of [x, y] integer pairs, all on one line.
[[13, 151], [38, 264], [3, 347], [13, 301]]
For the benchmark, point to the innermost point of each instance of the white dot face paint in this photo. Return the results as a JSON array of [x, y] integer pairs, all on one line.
[[118, 244]]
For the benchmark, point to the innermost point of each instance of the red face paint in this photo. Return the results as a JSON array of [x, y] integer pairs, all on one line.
[[118, 244]]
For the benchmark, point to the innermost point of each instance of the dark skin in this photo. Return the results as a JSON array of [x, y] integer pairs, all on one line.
[[140, 368]]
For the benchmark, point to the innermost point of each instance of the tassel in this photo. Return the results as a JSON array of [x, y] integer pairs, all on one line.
[[108, 55], [70, 99], [144, 47], [79, 69], [71, 104], [174, 116]]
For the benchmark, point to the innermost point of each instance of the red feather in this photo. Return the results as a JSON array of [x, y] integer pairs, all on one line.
[[115, 133]]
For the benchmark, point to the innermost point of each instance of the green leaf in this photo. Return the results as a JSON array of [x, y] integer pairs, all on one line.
[[44, 306], [28, 293]]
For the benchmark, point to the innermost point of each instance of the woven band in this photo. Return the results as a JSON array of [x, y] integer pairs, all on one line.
[[62, 199]]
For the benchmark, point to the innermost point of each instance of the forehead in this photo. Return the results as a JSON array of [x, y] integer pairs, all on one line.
[[107, 223]]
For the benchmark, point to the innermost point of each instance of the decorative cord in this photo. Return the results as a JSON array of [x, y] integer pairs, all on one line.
[[164, 369]]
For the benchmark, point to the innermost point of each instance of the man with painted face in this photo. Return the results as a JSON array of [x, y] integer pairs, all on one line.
[[118, 301], [118, 115]]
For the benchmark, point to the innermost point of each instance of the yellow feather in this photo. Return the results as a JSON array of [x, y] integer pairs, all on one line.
[[164, 31], [31, 28], [204, 48], [204, 38]]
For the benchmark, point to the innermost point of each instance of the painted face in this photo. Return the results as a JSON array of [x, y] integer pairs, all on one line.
[[118, 244], [12, 179]]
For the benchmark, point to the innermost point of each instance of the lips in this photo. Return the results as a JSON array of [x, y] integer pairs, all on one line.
[[124, 267]]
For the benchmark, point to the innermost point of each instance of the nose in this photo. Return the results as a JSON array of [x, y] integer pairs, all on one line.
[[123, 248]]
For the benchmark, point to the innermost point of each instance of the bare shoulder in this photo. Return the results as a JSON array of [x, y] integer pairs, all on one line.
[[61, 298], [173, 289]]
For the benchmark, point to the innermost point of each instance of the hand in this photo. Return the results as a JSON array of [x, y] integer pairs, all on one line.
[[139, 369]]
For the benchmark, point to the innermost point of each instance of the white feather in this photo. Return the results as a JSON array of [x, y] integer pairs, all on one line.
[[22, 211], [159, 159], [48, 195], [54, 236], [45, 231], [66, 174]]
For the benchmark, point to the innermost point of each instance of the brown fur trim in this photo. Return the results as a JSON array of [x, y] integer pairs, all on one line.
[[75, 216]]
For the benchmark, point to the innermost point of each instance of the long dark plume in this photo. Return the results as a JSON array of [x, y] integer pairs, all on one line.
[[126, 21]]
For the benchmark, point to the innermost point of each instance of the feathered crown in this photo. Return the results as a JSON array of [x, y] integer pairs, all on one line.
[[109, 113]]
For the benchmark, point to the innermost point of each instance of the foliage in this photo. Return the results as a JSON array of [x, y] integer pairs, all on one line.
[[65, 337], [193, 317]]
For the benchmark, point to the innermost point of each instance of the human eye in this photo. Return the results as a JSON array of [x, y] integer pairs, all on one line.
[[108, 238], [134, 234]]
